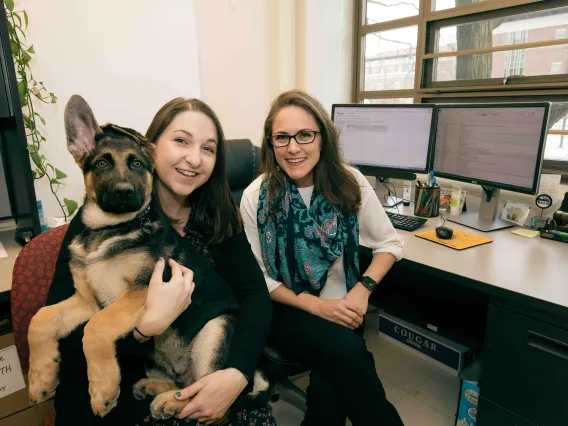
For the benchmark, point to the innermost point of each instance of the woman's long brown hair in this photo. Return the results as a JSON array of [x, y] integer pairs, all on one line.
[[212, 205], [332, 179]]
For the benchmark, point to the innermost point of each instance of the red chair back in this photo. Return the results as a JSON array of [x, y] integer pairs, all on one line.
[[31, 278]]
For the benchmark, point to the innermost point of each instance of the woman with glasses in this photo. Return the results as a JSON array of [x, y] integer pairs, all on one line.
[[303, 218]]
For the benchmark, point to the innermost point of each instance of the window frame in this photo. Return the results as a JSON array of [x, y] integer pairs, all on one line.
[[429, 22]]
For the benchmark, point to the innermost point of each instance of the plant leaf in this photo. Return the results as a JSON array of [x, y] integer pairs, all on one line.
[[40, 117], [14, 47], [22, 91], [19, 19], [26, 57], [26, 18], [9, 4], [55, 182], [31, 49], [59, 174], [32, 148], [30, 124], [34, 174], [35, 158], [53, 98], [71, 205]]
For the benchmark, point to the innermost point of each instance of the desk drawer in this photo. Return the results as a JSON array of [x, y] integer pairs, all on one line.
[[489, 414], [525, 367]]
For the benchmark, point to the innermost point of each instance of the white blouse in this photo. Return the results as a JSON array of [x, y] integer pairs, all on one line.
[[375, 232]]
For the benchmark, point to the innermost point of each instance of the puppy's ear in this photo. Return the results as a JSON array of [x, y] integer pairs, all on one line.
[[80, 128]]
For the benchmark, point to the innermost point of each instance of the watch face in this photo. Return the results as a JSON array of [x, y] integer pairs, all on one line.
[[543, 201]]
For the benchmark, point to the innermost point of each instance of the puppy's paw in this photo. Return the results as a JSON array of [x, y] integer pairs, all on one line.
[[104, 388], [151, 387], [42, 376], [166, 405]]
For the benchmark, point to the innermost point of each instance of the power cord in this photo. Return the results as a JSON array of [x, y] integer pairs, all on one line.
[[389, 192]]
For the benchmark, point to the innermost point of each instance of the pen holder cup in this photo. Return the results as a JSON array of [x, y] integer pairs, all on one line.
[[427, 201]]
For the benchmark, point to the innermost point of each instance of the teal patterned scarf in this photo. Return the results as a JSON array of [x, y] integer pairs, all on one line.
[[299, 244]]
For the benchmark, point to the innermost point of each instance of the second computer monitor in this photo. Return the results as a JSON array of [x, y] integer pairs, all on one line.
[[386, 137], [494, 145]]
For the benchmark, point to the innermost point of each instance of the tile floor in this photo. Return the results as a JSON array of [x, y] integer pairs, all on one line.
[[423, 394]]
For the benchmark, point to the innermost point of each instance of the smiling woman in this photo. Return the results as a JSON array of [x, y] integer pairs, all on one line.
[[190, 160]]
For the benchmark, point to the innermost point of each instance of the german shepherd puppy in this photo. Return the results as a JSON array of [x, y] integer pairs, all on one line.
[[111, 263]]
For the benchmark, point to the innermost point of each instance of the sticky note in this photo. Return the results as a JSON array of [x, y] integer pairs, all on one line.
[[529, 233]]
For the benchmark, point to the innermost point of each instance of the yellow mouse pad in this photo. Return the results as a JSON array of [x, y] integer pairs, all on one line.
[[459, 241]]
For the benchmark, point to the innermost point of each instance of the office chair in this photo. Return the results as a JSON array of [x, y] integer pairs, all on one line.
[[243, 163]]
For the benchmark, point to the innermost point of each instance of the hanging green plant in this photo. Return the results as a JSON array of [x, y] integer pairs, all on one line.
[[29, 88]]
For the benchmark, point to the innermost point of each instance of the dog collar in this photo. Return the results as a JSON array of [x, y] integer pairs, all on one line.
[[144, 220]]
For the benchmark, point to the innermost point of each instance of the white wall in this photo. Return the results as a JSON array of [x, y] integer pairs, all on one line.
[[325, 63], [126, 58], [235, 48]]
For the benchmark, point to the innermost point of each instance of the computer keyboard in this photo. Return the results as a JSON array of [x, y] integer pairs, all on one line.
[[406, 223]]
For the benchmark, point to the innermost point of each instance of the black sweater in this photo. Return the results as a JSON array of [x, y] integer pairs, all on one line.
[[234, 261]]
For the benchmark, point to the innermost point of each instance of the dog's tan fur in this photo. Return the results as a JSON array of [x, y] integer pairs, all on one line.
[[101, 333]]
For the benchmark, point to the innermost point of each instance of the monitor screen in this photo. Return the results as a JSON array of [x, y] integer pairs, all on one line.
[[497, 146], [386, 136]]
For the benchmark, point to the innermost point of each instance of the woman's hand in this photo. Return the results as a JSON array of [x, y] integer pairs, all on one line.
[[166, 300], [212, 396], [358, 299], [338, 311]]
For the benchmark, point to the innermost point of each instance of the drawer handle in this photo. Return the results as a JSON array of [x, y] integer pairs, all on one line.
[[548, 345]]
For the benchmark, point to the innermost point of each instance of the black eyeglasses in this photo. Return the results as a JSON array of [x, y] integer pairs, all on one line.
[[302, 137]]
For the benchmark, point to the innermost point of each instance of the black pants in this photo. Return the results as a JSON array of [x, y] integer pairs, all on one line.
[[343, 382]]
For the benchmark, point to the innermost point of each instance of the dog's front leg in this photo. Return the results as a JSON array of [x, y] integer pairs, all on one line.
[[48, 325], [101, 334]]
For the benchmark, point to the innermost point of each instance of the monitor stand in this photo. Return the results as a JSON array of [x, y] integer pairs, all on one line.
[[486, 220]]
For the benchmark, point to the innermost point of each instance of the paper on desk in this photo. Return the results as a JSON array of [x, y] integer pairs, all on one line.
[[11, 377], [529, 233], [2, 251]]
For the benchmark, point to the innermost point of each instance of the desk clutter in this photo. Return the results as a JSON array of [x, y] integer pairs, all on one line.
[[460, 240], [427, 198]]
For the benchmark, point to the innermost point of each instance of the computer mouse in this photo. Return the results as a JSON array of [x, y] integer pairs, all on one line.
[[444, 233]]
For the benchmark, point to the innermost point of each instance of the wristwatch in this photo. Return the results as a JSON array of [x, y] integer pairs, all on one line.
[[369, 283]]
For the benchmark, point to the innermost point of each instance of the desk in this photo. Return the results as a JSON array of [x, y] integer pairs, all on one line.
[[525, 352], [7, 263]]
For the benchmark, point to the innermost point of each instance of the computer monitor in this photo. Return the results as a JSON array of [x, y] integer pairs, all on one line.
[[497, 146], [386, 140]]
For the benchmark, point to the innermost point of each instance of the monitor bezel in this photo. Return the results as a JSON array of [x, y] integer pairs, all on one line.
[[538, 166], [386, 170]]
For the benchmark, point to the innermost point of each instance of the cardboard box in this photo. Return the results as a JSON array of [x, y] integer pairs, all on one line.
[[19, 400], [33, 416], [447, 354]]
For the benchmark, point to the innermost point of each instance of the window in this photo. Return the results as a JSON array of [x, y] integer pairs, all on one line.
[[389, 101], [515, 59], [470, 50], [388, 10], [393, 53], [556, 68]]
